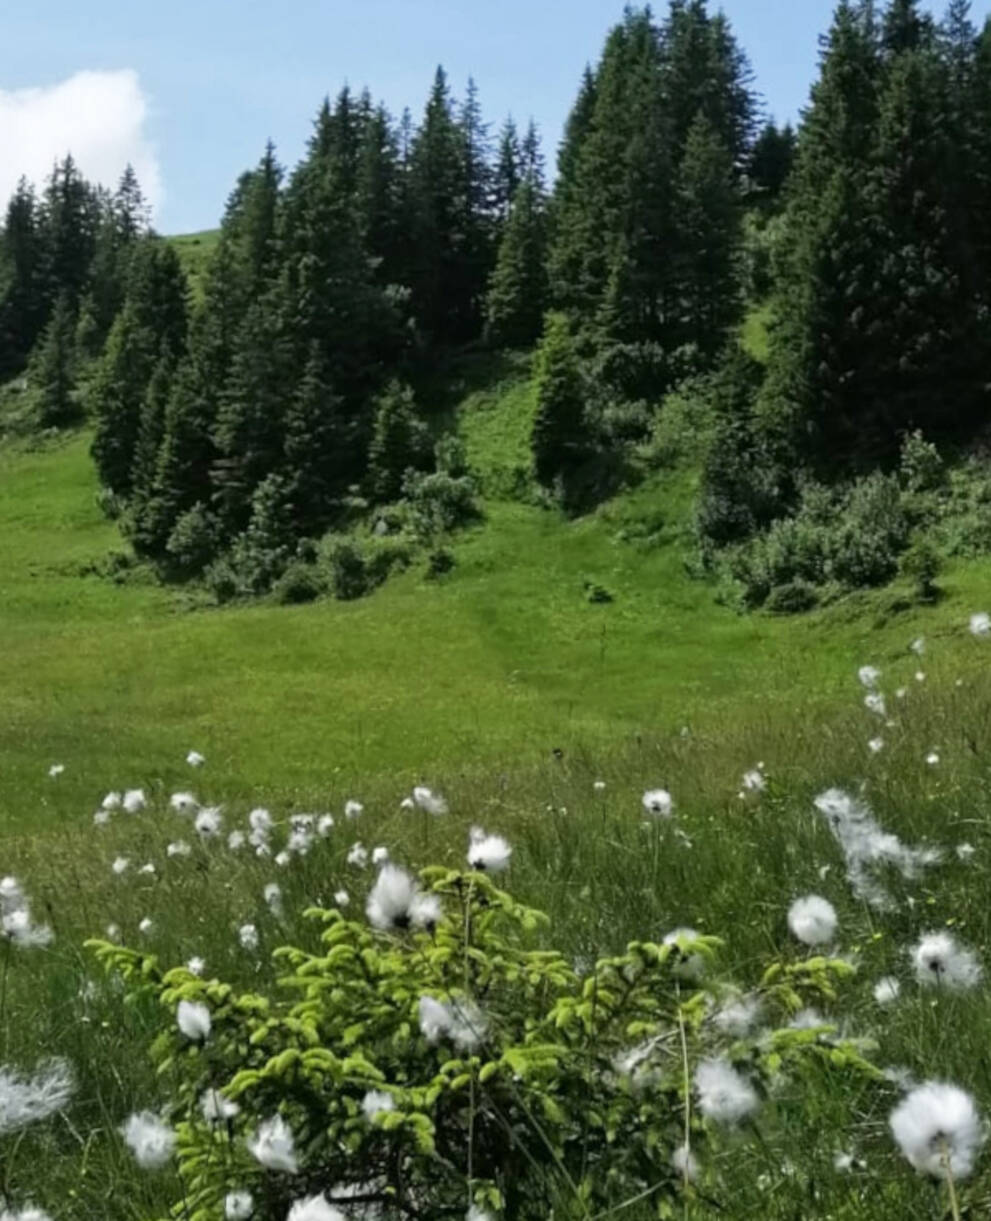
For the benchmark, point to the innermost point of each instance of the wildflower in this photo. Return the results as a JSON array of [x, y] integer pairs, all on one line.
[[844, 1162], [980, 625], [739, 1016], [874, 702], [724, 1095], [342, 898], [120, 865], [238, 1206], [686, 966], [18, 928], [195, 759], [876, 745], [282, 859], [209, 822], [273, 1146], [195, 966], [247, 934], [380, 855], [869, 676], [325, 824], [56, 770], [134, 801], [965, 851], [938, 1130], [375, 1103], [358, 856], [101, 818], [429, 801], [183, 803], [919, 646], [658, 802], [314, 1208], [193, 1019], [754, 781], [353, 809], [236, 840], [932, 758], [938, 959], [178, 848], [147, 869], [260, 821], [812, 920], [273, 897], [149, 1139], [685, 1163], [391, 899], [867, 846], [26, 1100], [112, 801], [216, 1108], [146, 925], [887, 990], [488, 853]]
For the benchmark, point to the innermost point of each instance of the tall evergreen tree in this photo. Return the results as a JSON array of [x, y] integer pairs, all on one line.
[[69, 220], [518, 290], [508, 170], [559, 432], [399, 442], [315, 445], [54, 371], [22, 292]]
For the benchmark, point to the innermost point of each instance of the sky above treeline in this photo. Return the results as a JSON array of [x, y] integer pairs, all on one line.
[[190, 91]]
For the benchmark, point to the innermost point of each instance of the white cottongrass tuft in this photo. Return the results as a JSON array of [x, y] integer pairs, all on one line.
[[282, 859], [183, 803], [980, 624], [358, 856], [209, 822], [149, 1139], [938, 1130], [236, 841], [134, 801], [918, 646], [478, 1214], [380, 855], [196, 966], [193, 1019], [178, 847], [56, 770], [488, 853], [342, 898], [754, 781], [869, 676], [238, 1206], [429, 801], [460, 1021], [724, 1095], [868, 847], [685, 964], [325, 824], [813, 920], [874, 702], [939, 960], [112, 801], [875, 745], [273, 1146], [273, 898], [426, 911], [247, 935], [16, 925], [685, 1163], [314, 1208], [738, 1016], [148, 869], [26, 1214], [920, 676], [27, 1099], [933, 758], [377, 1102], [396, 902], [353, 809], [965, 851], [216, 1108], [887, 990], [101, 818], [121, 865], [195, 759], [146, 925], [658, 802], [599, 786], [407, 803]]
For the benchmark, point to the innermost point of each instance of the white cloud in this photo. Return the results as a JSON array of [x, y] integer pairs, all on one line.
[[98, 117]]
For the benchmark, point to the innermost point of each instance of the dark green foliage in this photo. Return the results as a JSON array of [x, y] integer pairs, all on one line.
[[298, 584], [922, 564], [54, 368], [518, 290], [193, 541], [771, 161], [560, 441], [399, 443], [22, 292]]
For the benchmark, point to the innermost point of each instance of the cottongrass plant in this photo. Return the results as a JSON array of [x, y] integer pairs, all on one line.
[[939, 1132]]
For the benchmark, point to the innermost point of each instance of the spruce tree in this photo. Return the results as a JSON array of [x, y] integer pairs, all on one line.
[[770, 162], [54, 368], [69, 220], [518, 290], [508, 170], [559, 440], [22, 305], [399, 443], [315, 445]]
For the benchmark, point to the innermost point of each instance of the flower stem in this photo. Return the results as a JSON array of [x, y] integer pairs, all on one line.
[[950, 1184]]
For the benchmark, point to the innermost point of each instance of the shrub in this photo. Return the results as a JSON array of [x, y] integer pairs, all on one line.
[[921, 468], [922, 564], [349, 577], [193, 541], [792, 598], [439, 503], [423, 1067], [299, 583], [222, 580], [439, 563]]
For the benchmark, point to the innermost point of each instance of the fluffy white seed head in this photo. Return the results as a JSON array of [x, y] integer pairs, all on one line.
[[377, 1102], [938, 1130], [738, 1016], [658, 803], [869, 676], [812, 920], [112, 801], [247, 935], [874, 702], [183, 803], [429, 801], [150, 1140], [238, 1206], [358, 856], [887, 990], [685, 1163], [134, 801], [273, 1146], [209, 822], [216, 1108], [723, 1094], [489, 853], [314, 1208], [980, 624], [939, 960], [390, 904], [353, 809], [195, 759], [685, 964], [120, 865], [27, 1098], [193, 1019]]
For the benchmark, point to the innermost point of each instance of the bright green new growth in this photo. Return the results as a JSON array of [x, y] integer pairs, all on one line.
[[527, 1085]]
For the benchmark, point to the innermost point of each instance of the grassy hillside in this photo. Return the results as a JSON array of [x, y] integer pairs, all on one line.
[[194, 250], [471, 683]]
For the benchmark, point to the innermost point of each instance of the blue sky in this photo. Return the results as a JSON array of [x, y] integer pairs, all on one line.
[[191, 91]]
